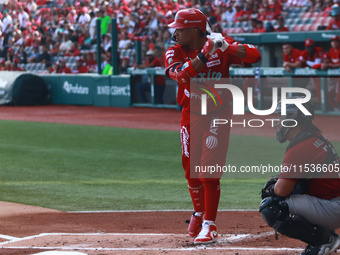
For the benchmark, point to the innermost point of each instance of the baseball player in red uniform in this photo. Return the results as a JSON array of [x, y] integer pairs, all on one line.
[[198, 57], [290, 57], [311, 56], [304, 203], [334, 90]]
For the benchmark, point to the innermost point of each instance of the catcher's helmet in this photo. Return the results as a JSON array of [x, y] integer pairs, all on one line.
[[293, 113], [190, 18]]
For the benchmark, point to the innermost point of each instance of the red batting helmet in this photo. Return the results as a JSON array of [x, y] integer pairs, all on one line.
[[190, 18]]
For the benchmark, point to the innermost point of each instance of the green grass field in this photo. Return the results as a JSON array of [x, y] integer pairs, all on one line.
[[86, 168]]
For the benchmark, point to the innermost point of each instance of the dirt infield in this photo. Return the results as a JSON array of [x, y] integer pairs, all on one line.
[[30, 230]]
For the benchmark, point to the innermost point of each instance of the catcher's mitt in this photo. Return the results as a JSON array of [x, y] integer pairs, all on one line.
[[268, 188]]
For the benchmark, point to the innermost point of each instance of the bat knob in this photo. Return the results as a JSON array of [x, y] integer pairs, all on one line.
[[219, 44]]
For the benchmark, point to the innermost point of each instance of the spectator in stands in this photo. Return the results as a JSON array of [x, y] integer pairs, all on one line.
[[15, 65], [8, 65], [49, 68], [274, 12], [56, 44], [108, 67], [84, 18], [91, 62], [335, 22], [259, 27], [80, 66], [144, 87], [2, 65], [290, 57], [247, 12], [327, 8], [22, 55], [105, 22], [239, 12], [66, 45], [23, 18], [124, 65], [17, 38], [229, 14], [281, 25], [253, 26], [7, 27], [107, 42], [34, 55], [62, 67], [124, 42], [93, 25], [44, 56], [269, 27]]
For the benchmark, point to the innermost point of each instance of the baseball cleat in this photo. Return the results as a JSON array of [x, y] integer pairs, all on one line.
[[195, 225], [207, 235], [332, 246], [310, 250]]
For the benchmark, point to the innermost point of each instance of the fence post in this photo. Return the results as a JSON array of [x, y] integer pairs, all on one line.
[[99, 56]]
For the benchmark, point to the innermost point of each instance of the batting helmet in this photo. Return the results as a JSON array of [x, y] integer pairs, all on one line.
[[190, 18], [293, 113]]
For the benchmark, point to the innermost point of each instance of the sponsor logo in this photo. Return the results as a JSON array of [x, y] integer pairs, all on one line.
[[76, 89], [328, 36], [283, 37], [114, 90], [210, 76], [185, 141], [120, 90], [211, 142], [273, 71], [187, 93], [333, 71], [213, 63], [305, 71]]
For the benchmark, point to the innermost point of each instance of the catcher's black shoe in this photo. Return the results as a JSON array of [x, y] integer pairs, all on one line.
[[311, 250], [331, 246]]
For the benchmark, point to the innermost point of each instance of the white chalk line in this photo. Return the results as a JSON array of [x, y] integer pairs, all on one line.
[[138, 211], [231, 238]]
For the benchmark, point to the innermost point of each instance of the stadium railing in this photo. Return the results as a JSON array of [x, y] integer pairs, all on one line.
[[262, 80]]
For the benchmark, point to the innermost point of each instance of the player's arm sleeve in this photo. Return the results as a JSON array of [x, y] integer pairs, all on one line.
[[177, 69], [250, 54], [315, 62]]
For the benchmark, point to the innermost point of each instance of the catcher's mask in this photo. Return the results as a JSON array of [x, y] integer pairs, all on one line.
[[292, 113]]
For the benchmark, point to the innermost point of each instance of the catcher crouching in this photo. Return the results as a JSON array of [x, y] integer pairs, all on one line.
[[303, 202]]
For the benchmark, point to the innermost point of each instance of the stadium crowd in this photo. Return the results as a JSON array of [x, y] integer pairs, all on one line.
[[60, 35]]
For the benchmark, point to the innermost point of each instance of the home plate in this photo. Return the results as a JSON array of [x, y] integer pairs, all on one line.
[[60, 253]]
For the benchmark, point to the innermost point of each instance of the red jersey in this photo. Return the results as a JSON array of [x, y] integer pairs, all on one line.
[[215, 69], [160, 79], [304, 57], [305, 156], [282, 29], [82, 69], [66, 69], [334, 25], [335, 55], [293, 57]]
